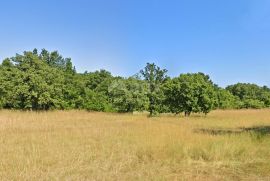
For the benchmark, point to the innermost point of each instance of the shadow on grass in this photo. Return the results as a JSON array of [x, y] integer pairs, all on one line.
[[261, 130]]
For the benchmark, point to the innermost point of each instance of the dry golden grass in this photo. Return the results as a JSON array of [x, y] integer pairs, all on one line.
[[77, 145]]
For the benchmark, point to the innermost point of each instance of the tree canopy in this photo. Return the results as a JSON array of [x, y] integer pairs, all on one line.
[[47, 81], [190, 93]]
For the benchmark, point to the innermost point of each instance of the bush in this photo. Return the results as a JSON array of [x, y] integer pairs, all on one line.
[[96, 102], [254, 104]]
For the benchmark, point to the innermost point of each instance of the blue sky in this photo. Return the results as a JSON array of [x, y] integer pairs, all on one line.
[[227, 39]]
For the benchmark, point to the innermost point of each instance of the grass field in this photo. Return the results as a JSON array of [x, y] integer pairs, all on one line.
[[77, 145]]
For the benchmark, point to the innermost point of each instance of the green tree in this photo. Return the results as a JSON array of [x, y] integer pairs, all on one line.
[[129, 95], [226, 100], [46, 80], [251, 95], [37, 86], [190, 93], [155, 77], [95, 101]]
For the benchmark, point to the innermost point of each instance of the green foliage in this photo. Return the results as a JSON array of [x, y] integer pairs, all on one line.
[[96, 102], [129, 95], [46, 80], [252, 103], [190, 93], [251, 95], [155, 77], [227, 100], [30, 84], [98, 80]]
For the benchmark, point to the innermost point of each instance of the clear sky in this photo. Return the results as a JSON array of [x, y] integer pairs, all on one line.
[[227, 39]]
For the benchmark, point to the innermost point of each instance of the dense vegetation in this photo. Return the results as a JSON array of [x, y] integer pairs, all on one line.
[[46, 81]]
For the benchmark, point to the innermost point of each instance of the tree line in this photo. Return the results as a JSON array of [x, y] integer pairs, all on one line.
[[48, 81]]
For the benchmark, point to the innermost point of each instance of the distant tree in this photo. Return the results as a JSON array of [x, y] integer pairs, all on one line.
[[53, 59], [155, 77], [9, 79], [251, 95], [190, 93], [69, 69], [99, 80], [252, 103], [226, 100], [45, 80], [129, 95], [34, 84], [7, 63], [95, 101]]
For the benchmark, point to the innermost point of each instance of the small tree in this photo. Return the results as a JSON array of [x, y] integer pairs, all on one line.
[[155, 77]]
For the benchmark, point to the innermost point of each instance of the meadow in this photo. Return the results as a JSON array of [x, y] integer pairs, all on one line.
[[80, 145]]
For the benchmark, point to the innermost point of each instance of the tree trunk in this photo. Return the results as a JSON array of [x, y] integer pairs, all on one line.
[[187, 114]]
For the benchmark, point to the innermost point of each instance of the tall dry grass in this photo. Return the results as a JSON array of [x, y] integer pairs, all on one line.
[[77, 145]]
